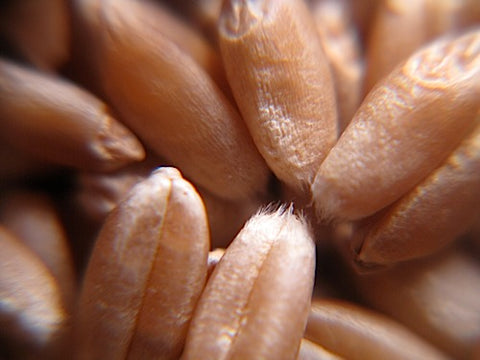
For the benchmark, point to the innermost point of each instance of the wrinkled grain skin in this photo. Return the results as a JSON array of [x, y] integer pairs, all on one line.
[[339, 39], [39, 30], [256, 301], [400, 27], [32, 314], [54, 120], [33, 219], [437, 298], [173, 105], [435, 213], [354, 333], [405, 128], [146, 273], [282, 84]]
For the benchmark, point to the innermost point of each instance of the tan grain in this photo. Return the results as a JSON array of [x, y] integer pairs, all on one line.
[[145, 274], [52, 119], [282, 84], [256, 301], [405, 128]]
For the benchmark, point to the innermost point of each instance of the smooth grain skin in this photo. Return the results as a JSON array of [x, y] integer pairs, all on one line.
[[16, 165], [437, 298], [435, 213], [39, 30], [214, 258], [256, 301], [399, 28], [312, 351], [57, 121], [282, 84], [32, 314], [173, 105], [405, 128], [97, 194], [354, 333], [33, 219], [339, 38], [146, 273], [203, 13]]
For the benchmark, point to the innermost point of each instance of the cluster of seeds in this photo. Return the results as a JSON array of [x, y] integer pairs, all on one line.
[[240, 179]]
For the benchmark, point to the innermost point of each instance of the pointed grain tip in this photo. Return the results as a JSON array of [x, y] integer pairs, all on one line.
[[326, 200], [169, 172], [238, 16], [117, 145]]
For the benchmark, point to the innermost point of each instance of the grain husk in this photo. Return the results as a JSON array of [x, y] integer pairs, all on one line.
[[282, 84], [145, 274]]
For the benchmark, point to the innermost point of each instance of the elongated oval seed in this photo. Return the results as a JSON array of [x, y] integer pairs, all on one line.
[[47, 117], [174, 106], [356, 333], [405, 128], [35, 222], [282, 84], [32, 315], [146, 273], [435, 213], [256, 301], [437, 298]]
